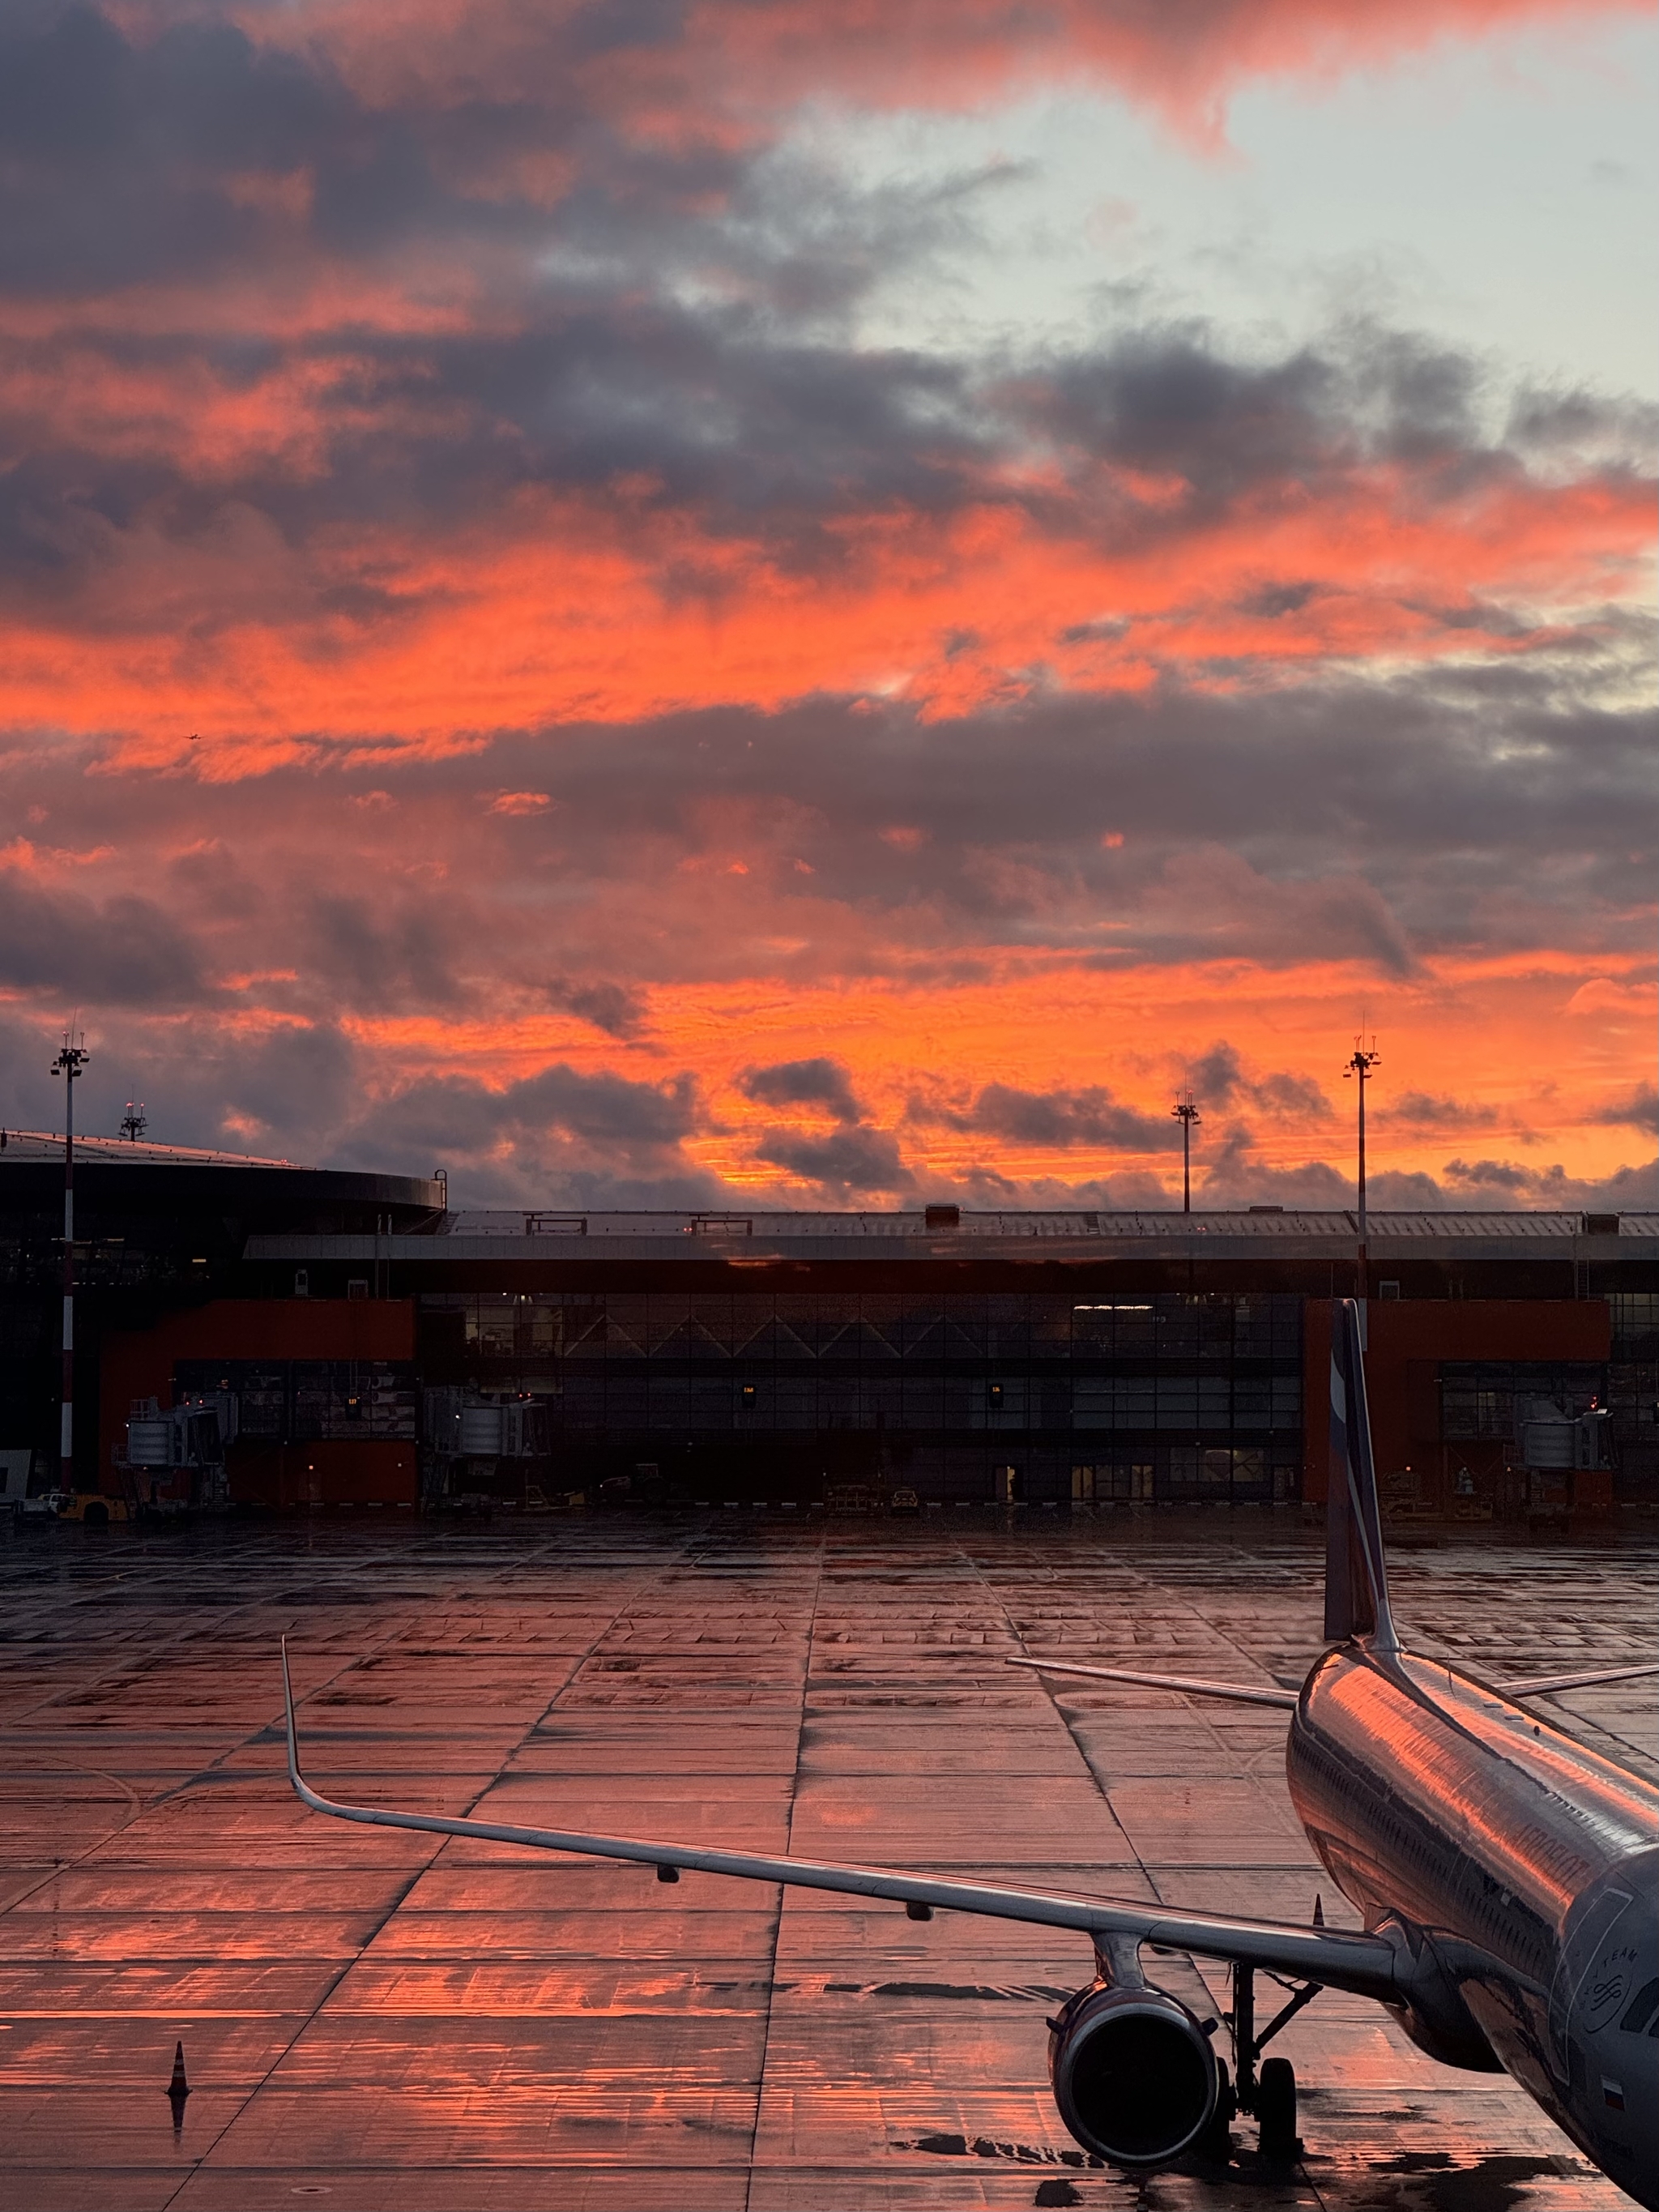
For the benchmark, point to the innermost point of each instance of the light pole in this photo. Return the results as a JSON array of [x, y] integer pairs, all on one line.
[[70, 1064], [1186, 1113], [1363, 1062]]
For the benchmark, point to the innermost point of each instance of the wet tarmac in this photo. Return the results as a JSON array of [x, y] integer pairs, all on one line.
[[374, 2021]]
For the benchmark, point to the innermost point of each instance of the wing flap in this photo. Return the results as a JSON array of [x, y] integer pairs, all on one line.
[[1363, 1963], [1235, 1692], [1544, 1685]]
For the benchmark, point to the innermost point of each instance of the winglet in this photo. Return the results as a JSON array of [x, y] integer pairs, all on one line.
[[302, 1788], [1356, 1583]]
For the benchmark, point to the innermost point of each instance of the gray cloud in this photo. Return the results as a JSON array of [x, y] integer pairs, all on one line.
[[1443, 798], [1063, 1119], [116, 145], [1637, 1109], [1490, 1174], [1214, 1076], [1165, 400], [768, 427], [294, 1092], [1219, 1078], [1478, 825], [851, 1163], [377, 960], [124, 951], [562, 1135], [606, 1107], [558, 1135], [1505, 1183], [1284, 1097], [612, 1008], [676, 318], [1423, 1109], [1240, 1179], [822, 1083]]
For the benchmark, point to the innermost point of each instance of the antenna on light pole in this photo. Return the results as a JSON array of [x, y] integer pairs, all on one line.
[[1364, 1059], [1187, 1113], [70, 1064]]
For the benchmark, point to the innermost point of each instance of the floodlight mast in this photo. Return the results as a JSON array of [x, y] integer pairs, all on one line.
[[70, 1064], [1186, 1113], [1364, 1059]]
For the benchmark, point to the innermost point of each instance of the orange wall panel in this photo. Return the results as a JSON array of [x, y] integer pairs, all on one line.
[[1409, 1339], [140, 1364]]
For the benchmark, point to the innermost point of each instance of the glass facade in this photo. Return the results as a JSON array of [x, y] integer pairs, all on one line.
[[1635, 1318], [1477, 1397], [959, 1394], [1633, 1391], [310, 1401]]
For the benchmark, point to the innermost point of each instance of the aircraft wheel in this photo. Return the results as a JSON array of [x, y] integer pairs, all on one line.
[[1275, 2108], [1216, 2143]]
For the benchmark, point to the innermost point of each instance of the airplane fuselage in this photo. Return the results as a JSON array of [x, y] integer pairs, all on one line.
[[1519, 1870]]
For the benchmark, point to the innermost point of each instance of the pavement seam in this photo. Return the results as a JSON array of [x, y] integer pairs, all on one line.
[[154, 1655], [789, 1837], [143, 1805], [390, 1911], [1472, 2123], [1147, 1874], [1051, 1693]]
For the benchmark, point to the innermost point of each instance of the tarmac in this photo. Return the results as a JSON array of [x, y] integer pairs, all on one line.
[[401, 2023]]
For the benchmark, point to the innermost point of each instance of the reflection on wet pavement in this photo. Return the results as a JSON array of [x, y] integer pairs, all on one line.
[[383, 2019]]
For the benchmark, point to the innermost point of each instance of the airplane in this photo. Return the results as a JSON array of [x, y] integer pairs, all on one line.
[[1507, 1878]]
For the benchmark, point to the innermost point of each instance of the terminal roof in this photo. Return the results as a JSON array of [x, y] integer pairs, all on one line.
[[43, 1144], [1292, 1222]]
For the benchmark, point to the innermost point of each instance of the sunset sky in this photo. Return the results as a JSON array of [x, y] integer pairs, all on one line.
[[827, 600]]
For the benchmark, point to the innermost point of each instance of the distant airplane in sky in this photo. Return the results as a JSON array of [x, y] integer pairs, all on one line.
[[1507, 1877]]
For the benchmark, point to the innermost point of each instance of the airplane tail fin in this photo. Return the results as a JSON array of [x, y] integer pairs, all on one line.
[[1356, 1583]]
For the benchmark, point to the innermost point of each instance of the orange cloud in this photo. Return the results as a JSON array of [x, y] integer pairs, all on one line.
[[1040, 1026], [562, 611], [502, 595], [735, 66], [519, 802]]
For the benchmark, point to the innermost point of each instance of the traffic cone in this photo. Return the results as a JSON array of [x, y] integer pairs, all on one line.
[[178, 2088]]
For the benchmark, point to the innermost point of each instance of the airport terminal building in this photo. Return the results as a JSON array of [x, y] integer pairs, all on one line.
[[356, 1342]]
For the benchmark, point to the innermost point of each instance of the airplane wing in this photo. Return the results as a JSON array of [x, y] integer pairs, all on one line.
[[1545, 1686], [1364, 1965], [1238, 1694]]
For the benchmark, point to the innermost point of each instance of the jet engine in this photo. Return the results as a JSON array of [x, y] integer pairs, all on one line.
[[1134, 2076]]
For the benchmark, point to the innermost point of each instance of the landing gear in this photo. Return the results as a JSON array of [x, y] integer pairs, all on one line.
[[1216, 2143], [1270, 2095], [1275, 2110]]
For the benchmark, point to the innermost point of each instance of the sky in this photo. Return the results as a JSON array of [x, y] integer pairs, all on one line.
[[832, 604]]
